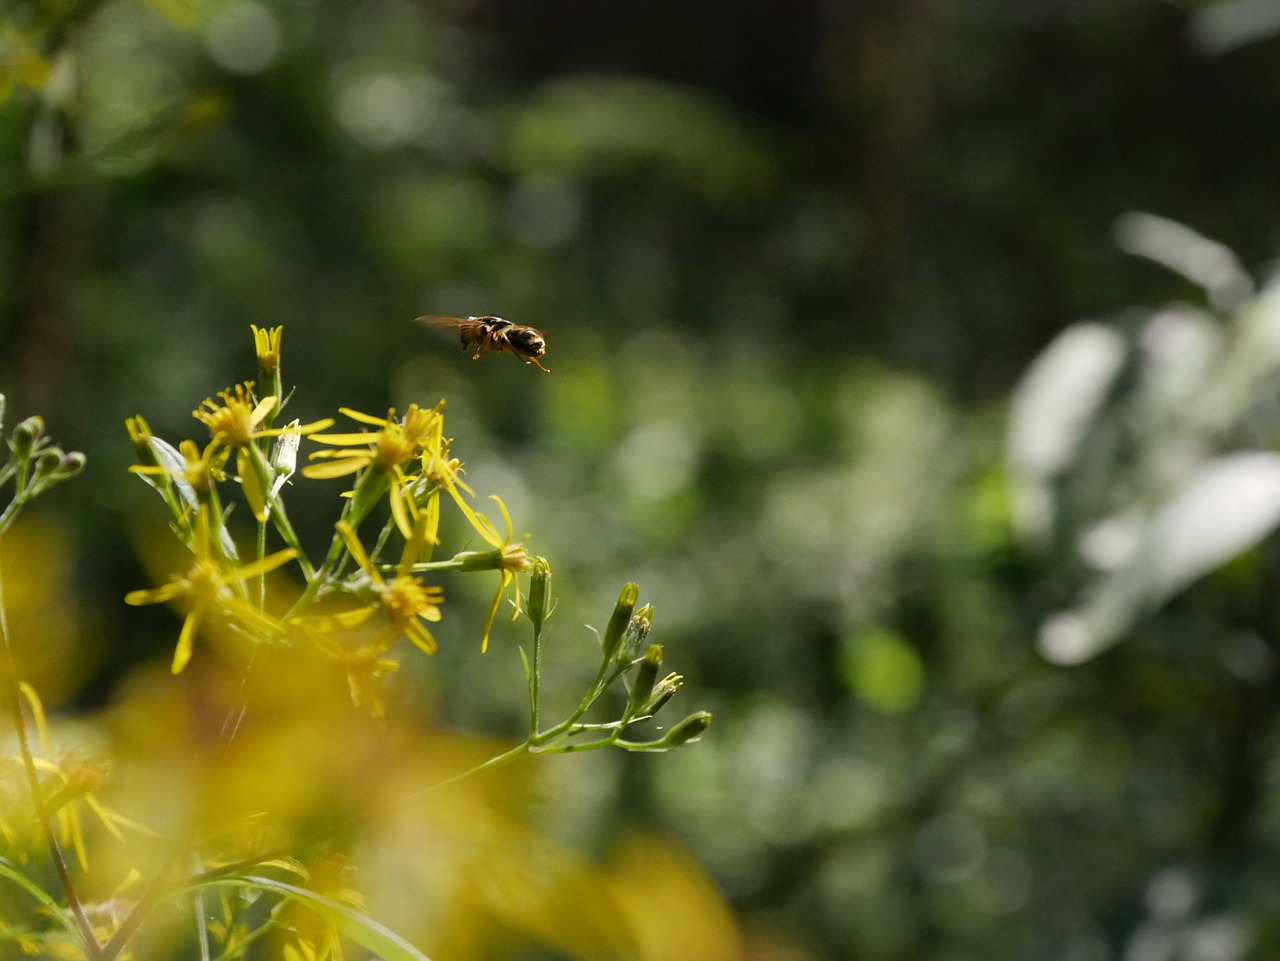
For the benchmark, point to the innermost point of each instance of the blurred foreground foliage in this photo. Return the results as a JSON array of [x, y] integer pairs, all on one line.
[[980, 693]]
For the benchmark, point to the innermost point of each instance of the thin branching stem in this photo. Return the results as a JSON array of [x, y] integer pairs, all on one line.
[[92, 949]]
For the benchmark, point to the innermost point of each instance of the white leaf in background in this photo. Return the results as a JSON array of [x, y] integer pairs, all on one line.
[[1204, 262], [1052, 410], [1229, 505]]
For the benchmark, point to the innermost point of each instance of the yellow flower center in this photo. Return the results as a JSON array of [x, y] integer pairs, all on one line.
[[406, 597], [205, 579], [234, 418], [418, 424], [393, 447]]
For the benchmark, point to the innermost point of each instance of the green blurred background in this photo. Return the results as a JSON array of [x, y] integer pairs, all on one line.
[[792, 260]]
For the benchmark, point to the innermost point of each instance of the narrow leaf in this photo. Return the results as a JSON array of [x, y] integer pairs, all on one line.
[[359, 927]]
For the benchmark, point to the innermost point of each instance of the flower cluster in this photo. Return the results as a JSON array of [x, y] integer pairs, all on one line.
[[351, 606], [263, 813]]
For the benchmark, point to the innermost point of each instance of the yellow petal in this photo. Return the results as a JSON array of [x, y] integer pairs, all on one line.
[[420, 636], [366, 418], [186, 641], [362, 438], [254, 568], [156, 595], [253, 492], [337, 468]]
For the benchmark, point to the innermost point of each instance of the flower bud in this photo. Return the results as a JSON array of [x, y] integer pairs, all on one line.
[[48, 462], [25, 436], [620, 619], [266, 344], [539, 607], [140, 436], [72, 463], [690, 729], [646, 675], [284, 456], [637, 632], [663, 691]]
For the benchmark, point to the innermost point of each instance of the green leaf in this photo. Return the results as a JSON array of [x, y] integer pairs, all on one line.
[[7, 870], [360, 928]]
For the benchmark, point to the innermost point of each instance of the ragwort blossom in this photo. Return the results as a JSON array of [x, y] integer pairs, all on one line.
[[385, 450], [207, 590], [405, 601], [506, 558], [236, 423]]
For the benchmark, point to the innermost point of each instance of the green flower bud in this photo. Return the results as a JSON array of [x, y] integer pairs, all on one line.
[[663, 691], [72, 464], [539, 607], [619, 621], [637, 632], [647, 674], [48, 462], [25, 435], [690, 729]]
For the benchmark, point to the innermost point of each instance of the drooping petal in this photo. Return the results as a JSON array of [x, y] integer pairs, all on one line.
[[186, 641], [357, 551], [249, 482], [399, 509], [420, 636]]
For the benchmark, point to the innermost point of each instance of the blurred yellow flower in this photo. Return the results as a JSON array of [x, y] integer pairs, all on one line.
[[207, 590], [74, 783]]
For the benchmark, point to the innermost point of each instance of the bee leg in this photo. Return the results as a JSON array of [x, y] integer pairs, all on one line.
[[534, 361]]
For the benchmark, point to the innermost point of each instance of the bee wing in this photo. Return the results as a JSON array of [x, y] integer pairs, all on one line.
[[435, 320]]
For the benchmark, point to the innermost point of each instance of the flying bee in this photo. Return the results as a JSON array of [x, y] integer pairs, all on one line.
[[498, 335]]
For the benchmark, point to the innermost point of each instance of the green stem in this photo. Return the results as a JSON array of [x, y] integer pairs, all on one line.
[[604, 679], [535, 683]]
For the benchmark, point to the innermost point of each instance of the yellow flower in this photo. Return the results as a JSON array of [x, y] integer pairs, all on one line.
[[387, 448], [201, 470], [74, 783], [318, 939], [405, 600], [206, 589], [394, 443], [266, 345], [237, 420], [236, 423], [365, 668], [507, 559]]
